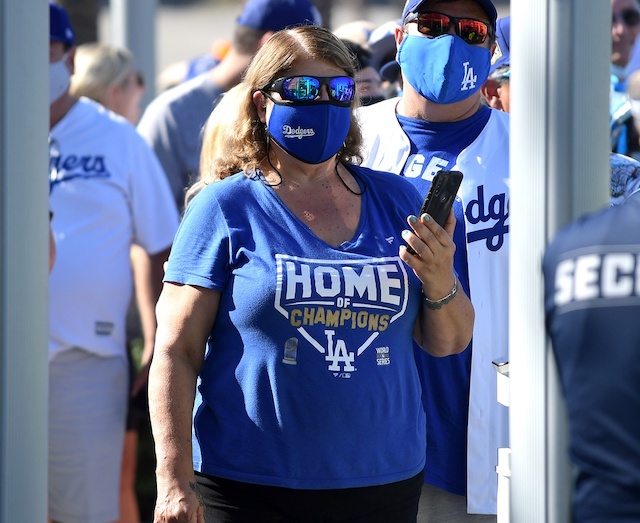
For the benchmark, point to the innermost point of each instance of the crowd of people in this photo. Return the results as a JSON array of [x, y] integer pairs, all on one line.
[[251, 226]]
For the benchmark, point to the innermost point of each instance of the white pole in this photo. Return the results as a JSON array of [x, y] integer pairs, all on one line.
[[24, 251], [559, 169]]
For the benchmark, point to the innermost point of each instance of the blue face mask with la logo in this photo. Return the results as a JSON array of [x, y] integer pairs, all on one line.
[[311, 132], [444, 69]]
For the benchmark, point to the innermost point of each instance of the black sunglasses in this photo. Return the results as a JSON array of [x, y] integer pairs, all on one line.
[[305, 88], [434, 24], [630, 17]]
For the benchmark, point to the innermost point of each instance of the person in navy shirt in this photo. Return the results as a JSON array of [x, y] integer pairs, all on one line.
[[592, 302]]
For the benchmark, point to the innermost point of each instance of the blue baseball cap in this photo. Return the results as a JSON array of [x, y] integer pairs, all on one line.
[[501, 56], [390, 71], [487, 5], [59, 25], [274, 15]]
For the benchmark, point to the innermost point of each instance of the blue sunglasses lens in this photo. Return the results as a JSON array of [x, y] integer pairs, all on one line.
[[300, 88], [342, 89], [306, 88]]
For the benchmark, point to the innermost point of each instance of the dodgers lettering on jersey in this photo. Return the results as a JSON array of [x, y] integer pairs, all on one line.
[[318, 297], [65, 168], [490, 212], [596, 279], [494, 211]]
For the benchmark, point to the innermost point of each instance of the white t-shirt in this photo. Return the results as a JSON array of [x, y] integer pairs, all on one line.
[[485, 198], [108, 191]]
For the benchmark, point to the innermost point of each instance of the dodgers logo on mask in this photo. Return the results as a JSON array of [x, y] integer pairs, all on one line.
[[323, 298], [469, 79], [297, 132]]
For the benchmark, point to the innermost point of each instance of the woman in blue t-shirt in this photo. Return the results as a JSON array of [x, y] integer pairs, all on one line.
[[291, 300]]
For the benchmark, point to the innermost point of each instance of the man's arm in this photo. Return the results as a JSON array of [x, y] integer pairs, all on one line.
[[147, 279]]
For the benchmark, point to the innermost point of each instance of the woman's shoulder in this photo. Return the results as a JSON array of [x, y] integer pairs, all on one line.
[[231, 186], [232, 191]]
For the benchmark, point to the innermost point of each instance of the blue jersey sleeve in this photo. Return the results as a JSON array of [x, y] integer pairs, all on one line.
[[200, 252]]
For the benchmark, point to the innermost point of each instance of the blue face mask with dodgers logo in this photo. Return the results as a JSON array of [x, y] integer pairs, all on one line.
[[311, 132], [444, 69]]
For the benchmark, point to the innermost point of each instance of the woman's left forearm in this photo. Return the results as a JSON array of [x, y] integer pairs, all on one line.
[[445, 328]]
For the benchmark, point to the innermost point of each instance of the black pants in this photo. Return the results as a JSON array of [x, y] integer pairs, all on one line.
[[229, 501]]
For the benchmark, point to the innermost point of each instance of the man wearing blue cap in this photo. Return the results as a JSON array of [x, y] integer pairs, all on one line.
[[107, 191], [440, 122], [497, 89], [173, 122]]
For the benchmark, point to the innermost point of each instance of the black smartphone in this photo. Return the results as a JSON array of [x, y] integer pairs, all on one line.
[[439, 199]]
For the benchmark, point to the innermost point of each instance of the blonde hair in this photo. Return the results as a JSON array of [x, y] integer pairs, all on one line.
[[217, 134], [215, 163], [245, 143], [98, 67]]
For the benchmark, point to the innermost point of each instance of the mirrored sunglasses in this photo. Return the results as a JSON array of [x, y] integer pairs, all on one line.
[[341, 89], [434, 24]]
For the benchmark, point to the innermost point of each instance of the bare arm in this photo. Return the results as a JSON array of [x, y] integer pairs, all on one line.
[[147, 280], [185, 317], [447, 330]]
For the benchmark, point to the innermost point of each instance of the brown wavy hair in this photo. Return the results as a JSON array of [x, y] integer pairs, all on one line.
[[246, 146]]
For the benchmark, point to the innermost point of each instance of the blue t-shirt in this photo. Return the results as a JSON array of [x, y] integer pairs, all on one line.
[[592, 302], [309, 379], [445, 381]]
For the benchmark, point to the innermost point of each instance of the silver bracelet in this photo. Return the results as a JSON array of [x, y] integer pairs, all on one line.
[[437, 304]]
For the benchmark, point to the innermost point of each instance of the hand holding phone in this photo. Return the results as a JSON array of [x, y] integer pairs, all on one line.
[[440, 197]]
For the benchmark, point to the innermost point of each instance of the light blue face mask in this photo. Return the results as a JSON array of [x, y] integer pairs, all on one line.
[[444, 69], [310, 132]]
